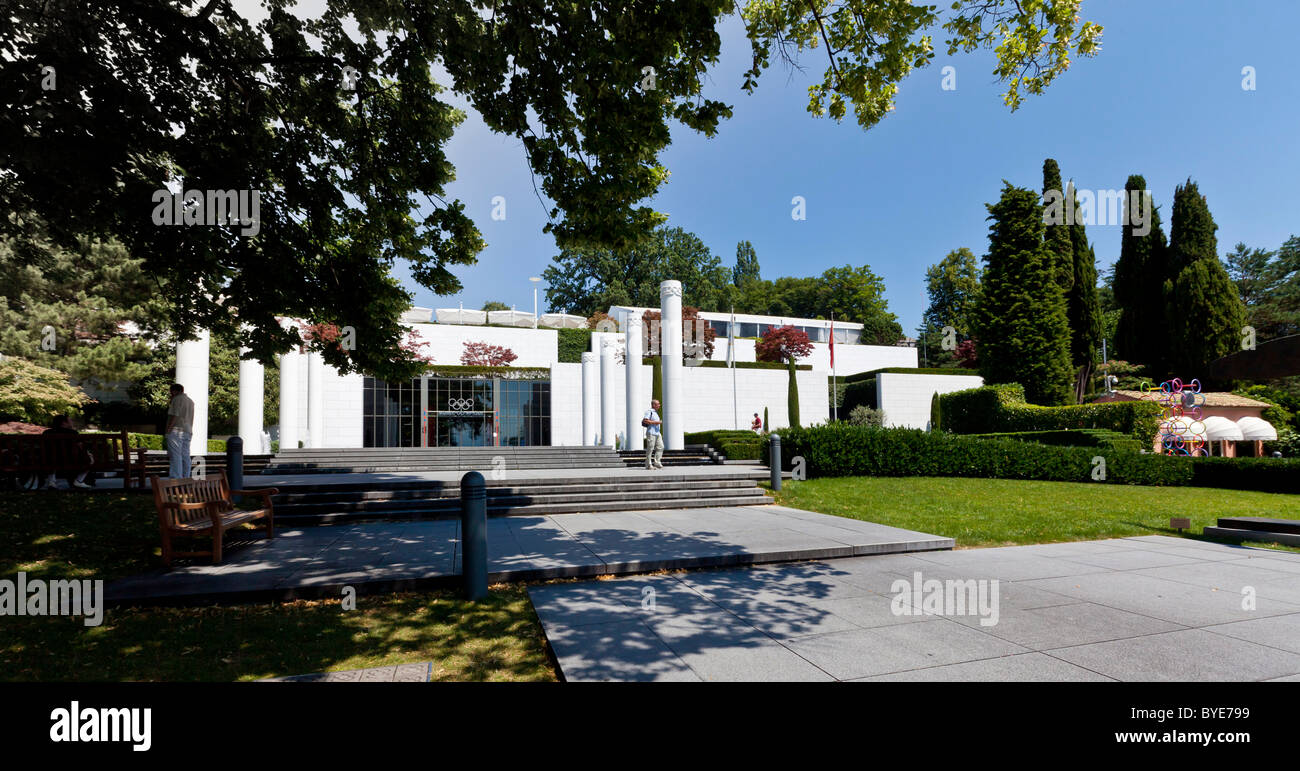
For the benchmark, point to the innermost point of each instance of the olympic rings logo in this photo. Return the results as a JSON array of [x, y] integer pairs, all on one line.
[[460, 405], [1181, 431]]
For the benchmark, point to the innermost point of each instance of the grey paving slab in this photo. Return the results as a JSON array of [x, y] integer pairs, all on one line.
[[843, 619], [1186, 655], [400, 673], [1023, 667], [620, 650], [1275, 631], [316, 561]]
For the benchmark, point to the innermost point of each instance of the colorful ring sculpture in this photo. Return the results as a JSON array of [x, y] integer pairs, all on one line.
[[1181, 430]]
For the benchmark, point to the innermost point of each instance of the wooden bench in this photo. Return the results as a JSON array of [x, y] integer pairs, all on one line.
[[198, 507], [44, 454]]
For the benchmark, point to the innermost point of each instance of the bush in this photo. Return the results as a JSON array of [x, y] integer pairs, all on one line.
[[730, 443], [1002, 408], [1287, 443], [862, 415], [1083, 437], [571, 344], [159, 442], [840, 449]]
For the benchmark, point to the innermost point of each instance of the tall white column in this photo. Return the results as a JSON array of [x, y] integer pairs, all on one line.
[[670, 348], [608, 416], [251, 403], [315, 400], [289, 434], [590, 399], [192, 373], [632, 433]]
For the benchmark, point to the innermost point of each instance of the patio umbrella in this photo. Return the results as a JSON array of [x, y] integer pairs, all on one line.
[[562, 321], [461, 316], [510, 318]]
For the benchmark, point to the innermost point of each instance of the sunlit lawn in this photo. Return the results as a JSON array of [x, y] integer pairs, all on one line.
[[105, 535], [999, 512]]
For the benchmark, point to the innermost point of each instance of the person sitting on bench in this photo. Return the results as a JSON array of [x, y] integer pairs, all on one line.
[[62, 426]]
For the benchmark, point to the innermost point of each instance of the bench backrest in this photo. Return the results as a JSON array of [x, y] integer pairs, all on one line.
[[213, 488], [51, 451]]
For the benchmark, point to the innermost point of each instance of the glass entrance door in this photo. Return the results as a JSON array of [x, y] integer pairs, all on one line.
[[460, 413]]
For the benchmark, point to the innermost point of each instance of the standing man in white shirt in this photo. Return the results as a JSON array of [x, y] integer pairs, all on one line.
[[654, 440], [180, 429]]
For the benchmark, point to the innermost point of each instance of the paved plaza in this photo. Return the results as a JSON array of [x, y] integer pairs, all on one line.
[[1135, 609], [390, 556]]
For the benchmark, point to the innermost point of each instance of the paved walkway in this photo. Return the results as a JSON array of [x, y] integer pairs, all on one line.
[[1147, 608], [391, 556]]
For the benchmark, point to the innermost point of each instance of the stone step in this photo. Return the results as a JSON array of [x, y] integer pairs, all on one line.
[[1238, 534], [294, 520], [576, 499], [1265, 524], [421, 493]]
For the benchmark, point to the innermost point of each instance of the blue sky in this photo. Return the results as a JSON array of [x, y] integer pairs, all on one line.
[[1164, 98]]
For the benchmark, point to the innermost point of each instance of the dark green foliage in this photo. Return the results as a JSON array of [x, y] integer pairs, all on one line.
[[841, 449], [742, 364], [1002, 408], [860, 393], [850, 293], [936, 412], [1083, 437], [1138, 284], [952, 287], [766, 425], [1021, 321], [870, 375], [1083, 311], [1266, 475], [657, 379], [792, 396], [1056, 233], [746, 268], [572, 343], [734, 445]]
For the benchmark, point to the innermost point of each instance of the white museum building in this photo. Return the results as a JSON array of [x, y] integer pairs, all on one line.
[[541, 400]]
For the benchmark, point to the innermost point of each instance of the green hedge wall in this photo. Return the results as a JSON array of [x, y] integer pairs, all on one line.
[[860, 392], [1082, 437], [909, 371], [158, 442], [732, 444], [572, 343], [1002, 408], [840, 449]]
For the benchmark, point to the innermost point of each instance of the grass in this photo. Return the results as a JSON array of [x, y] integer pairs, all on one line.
[[106, 535], [1003, 512], [499, 639]]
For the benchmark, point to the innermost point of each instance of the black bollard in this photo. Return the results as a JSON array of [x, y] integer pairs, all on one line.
[[774, 460], [235, 463], [473, 535]]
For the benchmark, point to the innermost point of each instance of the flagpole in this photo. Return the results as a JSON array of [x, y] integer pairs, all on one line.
[[731, 354], [835, 386]]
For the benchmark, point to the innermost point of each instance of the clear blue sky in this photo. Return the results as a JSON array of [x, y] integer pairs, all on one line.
[[1163, 99]]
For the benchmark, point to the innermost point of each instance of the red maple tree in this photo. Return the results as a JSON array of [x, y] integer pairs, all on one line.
[[480, 354], [781, 344]]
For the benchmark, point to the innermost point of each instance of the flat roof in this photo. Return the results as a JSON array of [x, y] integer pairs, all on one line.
[[750, 318]]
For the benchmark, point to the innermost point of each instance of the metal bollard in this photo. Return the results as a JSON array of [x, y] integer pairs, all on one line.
[[235, 463], [473, 535], [774, 460]]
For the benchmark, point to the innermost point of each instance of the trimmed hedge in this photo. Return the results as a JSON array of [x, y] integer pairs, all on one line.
[[732, 444], [840, 449], [1083, 437], [860, 393], [908, 371], [571, 344], [1002, 408], [158, 442], [648, 360]]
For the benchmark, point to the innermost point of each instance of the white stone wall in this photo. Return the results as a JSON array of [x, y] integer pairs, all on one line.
[[709, 405], [566, 404], [534, 347], [343, 397], [905, 398]]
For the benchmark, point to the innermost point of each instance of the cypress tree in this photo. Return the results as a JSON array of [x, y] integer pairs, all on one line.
[[792, 396], [1083, 308], [1139, 288], [657, 380], [1021, 320], [1057, 234], [1204, 311]]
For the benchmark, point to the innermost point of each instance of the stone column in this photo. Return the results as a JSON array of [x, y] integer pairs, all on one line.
[[635, 407], [192, 373], [315, 401], [670, 347], [608, 415], [251, 402], [289, 434], [590, 399]]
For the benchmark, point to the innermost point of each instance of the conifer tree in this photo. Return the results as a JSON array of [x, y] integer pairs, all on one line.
[[1083, 307], [1139, 287], [1204, 312]]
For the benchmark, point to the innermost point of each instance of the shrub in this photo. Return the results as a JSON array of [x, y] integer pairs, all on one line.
[[1083, 437], [860, 393], [1287, 443], [730, 443], [571, 344], [862, 415], [1268, 475], [1002, 408], [159, 442]]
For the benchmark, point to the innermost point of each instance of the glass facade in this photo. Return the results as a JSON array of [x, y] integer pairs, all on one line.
[[457, 412]]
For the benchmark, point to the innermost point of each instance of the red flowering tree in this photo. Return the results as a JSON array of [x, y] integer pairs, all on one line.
[[415, 344], [480, 354], [691, 324], [783, 344]]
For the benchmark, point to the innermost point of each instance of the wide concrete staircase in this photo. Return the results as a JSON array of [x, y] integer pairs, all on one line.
[[693, 455], [398, 459], [342, 502]]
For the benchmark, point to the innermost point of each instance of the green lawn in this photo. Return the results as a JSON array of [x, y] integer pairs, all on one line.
[[105, 535], [1000, 512]]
